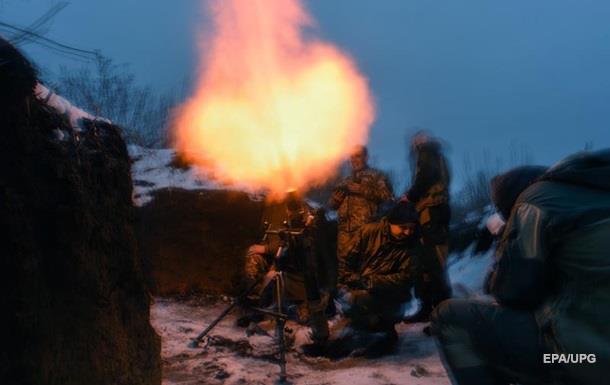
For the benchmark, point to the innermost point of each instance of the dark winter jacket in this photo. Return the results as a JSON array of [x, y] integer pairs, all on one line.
[[554, 258], [354, 210], [385, 265], [430, 177], [311, 252]]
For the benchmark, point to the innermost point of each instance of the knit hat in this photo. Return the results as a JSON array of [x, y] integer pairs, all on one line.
[[403, 213]]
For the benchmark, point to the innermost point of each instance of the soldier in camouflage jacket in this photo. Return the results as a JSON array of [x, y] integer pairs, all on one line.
[[357, 200]]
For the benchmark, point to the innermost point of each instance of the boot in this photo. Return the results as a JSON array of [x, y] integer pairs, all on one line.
[[318, 321], [246, 317], [319, 329], [245, 313], [384, 344]]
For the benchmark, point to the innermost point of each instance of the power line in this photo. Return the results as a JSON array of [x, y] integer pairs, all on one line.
[[37, 25], [49, 43]]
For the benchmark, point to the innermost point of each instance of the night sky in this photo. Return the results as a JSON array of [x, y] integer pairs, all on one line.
[[491, 78]]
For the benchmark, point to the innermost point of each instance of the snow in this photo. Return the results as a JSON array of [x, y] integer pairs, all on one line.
[[467, 272], [233, 358], [152, 170], [74, 114]]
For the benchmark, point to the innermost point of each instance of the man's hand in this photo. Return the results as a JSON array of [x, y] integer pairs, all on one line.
[[271, 274], [354, 188], [339, 195], [354, 281], [257, 249], [351, 277], [495, 224]]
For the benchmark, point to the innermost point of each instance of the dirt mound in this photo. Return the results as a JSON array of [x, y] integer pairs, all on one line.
[[194, 241], [72, 290]]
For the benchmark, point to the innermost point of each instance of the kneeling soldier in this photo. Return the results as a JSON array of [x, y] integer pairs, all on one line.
[[381, 270]]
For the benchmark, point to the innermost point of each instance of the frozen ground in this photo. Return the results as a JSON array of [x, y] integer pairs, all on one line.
[[232, 357]]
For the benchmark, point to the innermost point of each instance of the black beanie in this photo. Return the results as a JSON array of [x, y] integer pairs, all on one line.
[[403, 213], [506, 188]]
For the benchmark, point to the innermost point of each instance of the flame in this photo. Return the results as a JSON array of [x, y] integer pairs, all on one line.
[[273, 109]]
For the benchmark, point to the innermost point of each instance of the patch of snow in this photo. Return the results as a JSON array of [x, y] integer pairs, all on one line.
[[152, 170], [332, 215], [412, 307], [467, 271], [74, 114]]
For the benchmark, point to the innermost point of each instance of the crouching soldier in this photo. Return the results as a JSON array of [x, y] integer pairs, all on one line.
[[304, 259], [380, 273], [551, 283]]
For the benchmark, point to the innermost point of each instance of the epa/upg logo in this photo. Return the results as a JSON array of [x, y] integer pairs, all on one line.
[[572, 358]]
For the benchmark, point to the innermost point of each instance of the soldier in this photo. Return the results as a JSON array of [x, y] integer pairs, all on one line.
[[430, 192], [551, 283], [357, 200], [304, 264], [380, 273]]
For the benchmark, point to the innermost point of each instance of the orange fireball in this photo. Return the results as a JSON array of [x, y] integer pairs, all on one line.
[[273, 109]]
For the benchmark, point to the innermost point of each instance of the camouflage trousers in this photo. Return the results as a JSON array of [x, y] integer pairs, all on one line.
[[343, 243]]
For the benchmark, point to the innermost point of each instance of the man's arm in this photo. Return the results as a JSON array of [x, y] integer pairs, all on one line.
[[521, 278], [392, 283], [337, 197]]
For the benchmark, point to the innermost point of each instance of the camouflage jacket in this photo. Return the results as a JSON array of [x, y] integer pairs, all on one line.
[[356, 209]]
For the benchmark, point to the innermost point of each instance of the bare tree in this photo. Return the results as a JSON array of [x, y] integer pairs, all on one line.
[[475, 194], [110, 91]]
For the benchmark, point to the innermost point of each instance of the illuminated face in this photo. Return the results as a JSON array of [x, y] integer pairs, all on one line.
[[402, 231], [358, 159]]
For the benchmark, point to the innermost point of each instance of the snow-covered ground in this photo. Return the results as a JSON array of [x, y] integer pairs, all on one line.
[[232, 357], [152, 170]]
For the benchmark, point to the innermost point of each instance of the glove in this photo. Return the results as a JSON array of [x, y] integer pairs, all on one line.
[[350, 276], [354, 281]]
